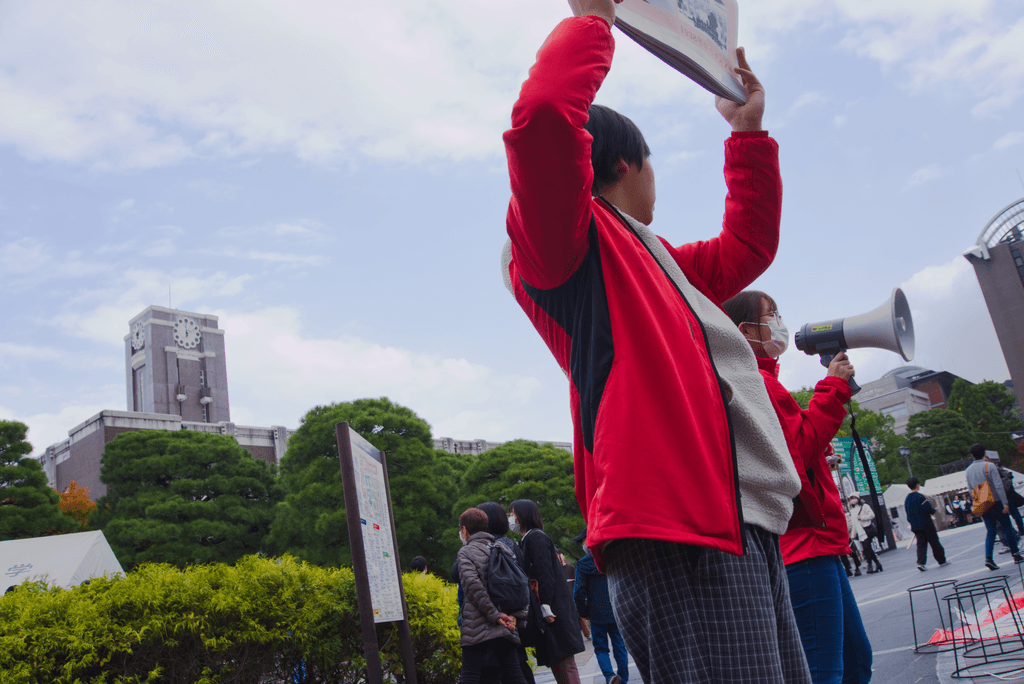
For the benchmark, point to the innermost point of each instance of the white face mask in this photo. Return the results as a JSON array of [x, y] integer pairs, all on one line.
[[779, 341], [512, 524]]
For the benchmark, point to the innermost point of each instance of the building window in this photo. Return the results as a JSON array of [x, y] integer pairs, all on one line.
[[897, 411], [202, 378], [205, 415]]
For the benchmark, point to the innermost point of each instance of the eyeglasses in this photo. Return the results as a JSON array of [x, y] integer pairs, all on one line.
[[771, 316]]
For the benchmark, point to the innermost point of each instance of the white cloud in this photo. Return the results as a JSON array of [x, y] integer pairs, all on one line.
[[47, 428], [277, 374], [952, 328], [138, 86], [1009, 140], [927, 173], [134, 291]]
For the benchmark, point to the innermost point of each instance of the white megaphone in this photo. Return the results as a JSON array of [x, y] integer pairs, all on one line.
[[890, 326]]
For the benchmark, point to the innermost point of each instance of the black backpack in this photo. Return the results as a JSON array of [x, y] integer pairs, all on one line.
[[507, 584]]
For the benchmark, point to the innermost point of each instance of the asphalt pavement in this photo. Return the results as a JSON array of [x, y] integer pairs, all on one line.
[[885, 609]]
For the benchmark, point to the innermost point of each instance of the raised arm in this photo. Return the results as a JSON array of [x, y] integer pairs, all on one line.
[[549, 151], [753, 205]]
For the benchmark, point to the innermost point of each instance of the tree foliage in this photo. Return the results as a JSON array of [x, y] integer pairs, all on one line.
[[311, 522], [937, 437], [75, 503], [28, 507], [527, 470], [184, 497], [987, 409]]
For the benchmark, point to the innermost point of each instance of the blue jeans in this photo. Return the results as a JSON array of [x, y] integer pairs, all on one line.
[[833, 636], [601, 633], [1003, 519]]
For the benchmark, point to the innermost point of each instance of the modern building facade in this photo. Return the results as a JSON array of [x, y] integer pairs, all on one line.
[[904, 391], [998, 260]]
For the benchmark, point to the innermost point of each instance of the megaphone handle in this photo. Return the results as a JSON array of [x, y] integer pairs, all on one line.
[[826, 359]]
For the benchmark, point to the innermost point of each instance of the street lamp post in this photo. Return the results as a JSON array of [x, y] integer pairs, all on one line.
[[905, 452]]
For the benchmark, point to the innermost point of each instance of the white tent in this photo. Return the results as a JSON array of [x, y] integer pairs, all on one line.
[[956, 483], [66, 560], [896, 494]]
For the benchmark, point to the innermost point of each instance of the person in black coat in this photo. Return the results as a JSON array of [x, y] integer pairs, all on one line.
[[497, 525], [919, 515], [562, 638]]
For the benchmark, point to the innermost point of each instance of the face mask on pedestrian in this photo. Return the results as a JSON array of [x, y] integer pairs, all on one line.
[[775, 346], [512, 524]]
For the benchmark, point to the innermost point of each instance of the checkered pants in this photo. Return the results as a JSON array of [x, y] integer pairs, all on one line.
[[691, 615]]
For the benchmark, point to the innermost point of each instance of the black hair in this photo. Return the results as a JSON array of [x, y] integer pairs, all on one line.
[[978, 452], [419, 564], [747, 306], [615, 137], [497, 520], [474, 520], [913, 482], [528, 514]]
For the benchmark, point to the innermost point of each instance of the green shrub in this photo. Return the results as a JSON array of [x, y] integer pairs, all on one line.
[[260, 621]]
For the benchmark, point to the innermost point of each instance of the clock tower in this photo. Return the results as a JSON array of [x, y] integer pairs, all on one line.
[[175, 365]]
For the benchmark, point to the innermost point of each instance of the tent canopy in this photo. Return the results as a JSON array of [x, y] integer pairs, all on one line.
[[956, 483], [896, 494], [66, 560]]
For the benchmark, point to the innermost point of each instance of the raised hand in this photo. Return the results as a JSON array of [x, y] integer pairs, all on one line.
[[596, 8], [744, 117]]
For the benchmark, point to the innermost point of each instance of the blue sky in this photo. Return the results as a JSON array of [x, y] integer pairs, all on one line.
[[329, 179]]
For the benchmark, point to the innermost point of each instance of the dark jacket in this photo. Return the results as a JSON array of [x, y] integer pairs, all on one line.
[[592, 588], [919, 511], [562, 638], [479, 614]]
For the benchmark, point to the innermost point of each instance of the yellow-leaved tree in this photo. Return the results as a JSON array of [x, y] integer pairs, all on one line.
[[75, 502]]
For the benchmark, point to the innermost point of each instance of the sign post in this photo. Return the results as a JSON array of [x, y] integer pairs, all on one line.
[[375, 562]]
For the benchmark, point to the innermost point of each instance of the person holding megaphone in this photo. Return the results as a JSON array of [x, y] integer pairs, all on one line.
[[827, 616]]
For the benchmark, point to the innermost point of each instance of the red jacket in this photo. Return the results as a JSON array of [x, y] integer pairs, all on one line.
[[818, 525], [652, 445]]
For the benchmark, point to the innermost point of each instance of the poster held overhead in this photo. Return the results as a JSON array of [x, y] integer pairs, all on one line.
[[695, 37], [375, 563]]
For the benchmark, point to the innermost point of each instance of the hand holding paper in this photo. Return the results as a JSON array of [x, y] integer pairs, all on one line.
[[744, 117]]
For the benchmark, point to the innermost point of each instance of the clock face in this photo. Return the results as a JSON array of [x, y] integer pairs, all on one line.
[[186, 333], [138, 336]]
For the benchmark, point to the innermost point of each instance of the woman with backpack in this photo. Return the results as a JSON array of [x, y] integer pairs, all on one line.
[[562, 638], [497, 525], [488, 635]]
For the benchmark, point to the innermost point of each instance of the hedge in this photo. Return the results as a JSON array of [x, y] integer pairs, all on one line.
[[260, 621]]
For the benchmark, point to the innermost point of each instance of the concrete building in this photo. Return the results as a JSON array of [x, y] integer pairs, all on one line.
[[176, 378], [998, 260], [904, 391], [479, 446]]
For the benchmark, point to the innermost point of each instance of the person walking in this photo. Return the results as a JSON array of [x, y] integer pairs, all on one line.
[[998, 513], [591, 598], [864, 530], [919, 515], [1012, 497]]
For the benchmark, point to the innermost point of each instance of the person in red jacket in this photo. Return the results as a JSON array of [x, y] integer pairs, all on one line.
[[826, 611], [681, 468]]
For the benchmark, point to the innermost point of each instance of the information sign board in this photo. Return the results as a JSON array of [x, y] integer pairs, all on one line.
[[375, 522]]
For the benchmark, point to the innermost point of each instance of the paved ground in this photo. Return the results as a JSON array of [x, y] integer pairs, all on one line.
[[885, 609]]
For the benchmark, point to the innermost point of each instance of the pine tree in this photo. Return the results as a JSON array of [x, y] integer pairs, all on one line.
[[184, 497], [28, 507]]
